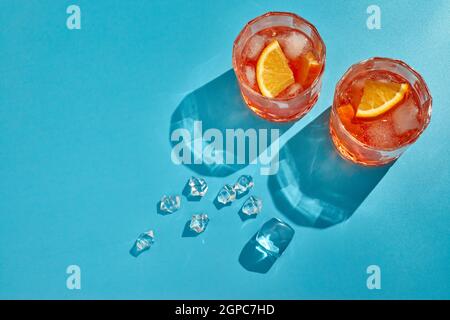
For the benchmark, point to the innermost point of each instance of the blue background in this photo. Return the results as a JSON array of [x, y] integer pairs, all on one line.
[[85, 119]]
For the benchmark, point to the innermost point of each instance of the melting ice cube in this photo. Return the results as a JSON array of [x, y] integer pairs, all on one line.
[[405, 117], [226, 195], [170, 204], [197, 187], [243, 184], [381, 133], [274, 236], [252, 206], [291, 91], [255, 46], [249, 72], [293, 44], [199, 222]]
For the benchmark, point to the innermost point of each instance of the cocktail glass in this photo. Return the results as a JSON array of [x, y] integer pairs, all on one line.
[[382, 139], [298, 38]]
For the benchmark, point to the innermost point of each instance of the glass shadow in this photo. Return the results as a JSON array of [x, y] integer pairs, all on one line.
[[266, 246], [314, 186], [253, 258], [217, 105], [187, 232]]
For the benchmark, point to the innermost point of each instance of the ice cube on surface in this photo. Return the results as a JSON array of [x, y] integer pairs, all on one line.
[[294, 44], [143, 242], [243, 184], [226, 195], [405, 117], [254, 46], [252, 206], [250, 75], [274, 236], [170, 204], [199, 222], [197, 187]]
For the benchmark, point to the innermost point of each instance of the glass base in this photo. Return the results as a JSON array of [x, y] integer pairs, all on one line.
[[347, 155], [279, 118]]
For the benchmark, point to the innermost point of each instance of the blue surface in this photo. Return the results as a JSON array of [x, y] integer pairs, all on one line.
[[85, 121]]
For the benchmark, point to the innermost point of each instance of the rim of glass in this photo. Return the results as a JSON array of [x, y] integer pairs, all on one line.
[[420, 79], [288, 14]]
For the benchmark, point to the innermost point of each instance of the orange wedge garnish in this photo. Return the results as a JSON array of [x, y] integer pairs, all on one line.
[[273, 73], [379, 97], [309, 70]]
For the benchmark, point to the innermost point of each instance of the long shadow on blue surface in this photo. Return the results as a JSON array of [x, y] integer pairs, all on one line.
[[216, 105], [314, 186]]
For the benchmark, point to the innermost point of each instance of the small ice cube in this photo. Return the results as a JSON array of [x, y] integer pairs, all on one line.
[[293, 44], [250, 75], [255, 46], [197, 187], [170, 204], [243, 184], [291, 91], [381, 133], [274, 236], [356, 91], [252, 206], [226, 195], [143, 242], [405, 117], [199, 222]]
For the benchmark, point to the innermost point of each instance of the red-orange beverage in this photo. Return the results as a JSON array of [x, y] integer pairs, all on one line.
[[298, 49], [381, 106], [305, 53]]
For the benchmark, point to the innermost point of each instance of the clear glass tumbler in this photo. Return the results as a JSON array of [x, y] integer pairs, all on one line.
[[383, 138], [294, 106]]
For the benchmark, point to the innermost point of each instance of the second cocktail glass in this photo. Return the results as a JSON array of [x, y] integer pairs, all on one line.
[[381, 106], [304, 52]]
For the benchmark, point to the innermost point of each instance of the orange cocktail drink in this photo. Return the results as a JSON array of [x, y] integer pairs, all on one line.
[[279, 59], [381, 106]]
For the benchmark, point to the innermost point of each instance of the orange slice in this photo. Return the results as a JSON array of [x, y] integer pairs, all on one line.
[[346, 113], [273, 73], [309, 70], [379, 97]]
